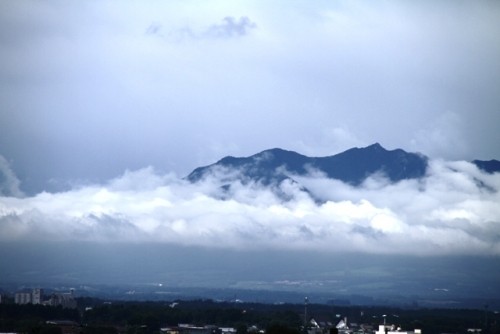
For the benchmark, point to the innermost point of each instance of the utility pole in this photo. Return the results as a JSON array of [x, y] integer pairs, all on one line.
[[306, 302]]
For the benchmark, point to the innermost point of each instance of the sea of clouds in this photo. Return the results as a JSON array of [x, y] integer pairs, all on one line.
[[454, 209]]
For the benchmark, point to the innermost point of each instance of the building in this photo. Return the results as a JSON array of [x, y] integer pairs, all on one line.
[[22, 298], [191, 329], [37, 296], [29, 297], [391, 329], [65, 300]]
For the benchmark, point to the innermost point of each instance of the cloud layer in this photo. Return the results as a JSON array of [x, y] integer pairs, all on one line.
[[453, 210]]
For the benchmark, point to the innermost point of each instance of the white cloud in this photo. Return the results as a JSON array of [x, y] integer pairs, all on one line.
[[454, 209]]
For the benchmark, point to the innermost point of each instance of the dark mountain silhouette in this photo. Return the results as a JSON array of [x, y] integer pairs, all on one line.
[[352, 166], [491, 166]]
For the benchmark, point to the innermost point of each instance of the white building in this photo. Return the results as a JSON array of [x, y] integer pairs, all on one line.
[[25, 297], [391, 329], [37, 296], [22, 298]]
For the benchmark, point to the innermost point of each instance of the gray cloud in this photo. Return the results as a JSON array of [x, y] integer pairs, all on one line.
[[153, 29], [9, 183], [231, 27], [447, 212]]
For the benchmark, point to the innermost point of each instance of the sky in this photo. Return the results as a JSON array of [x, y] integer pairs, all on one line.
[[106, 105]]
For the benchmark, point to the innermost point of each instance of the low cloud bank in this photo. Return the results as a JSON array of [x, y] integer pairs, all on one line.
[[453, 210]]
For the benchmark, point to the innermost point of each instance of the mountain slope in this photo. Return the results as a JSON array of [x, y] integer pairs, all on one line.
[[490, 166], [355, 165], [352, 166]]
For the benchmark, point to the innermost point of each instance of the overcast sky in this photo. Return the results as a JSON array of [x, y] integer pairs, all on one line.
[[94, 94], [91, 88]]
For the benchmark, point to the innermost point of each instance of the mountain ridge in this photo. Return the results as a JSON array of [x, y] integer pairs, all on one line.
[[489, 166], [352, 166]]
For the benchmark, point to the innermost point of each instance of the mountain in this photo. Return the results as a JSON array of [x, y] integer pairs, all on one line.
[[491, 166], [352, 166]]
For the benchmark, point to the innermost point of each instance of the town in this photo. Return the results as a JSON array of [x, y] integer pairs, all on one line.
[[39, 311], [37, 297]]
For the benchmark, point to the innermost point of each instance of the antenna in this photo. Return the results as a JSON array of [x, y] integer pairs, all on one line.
[[306, 302]]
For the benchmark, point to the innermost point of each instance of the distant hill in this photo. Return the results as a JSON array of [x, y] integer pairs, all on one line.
[[352, 166], [491, 166]]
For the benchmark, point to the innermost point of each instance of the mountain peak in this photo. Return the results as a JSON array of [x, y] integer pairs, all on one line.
[[352, 166], [490, 166], [375, 146]]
